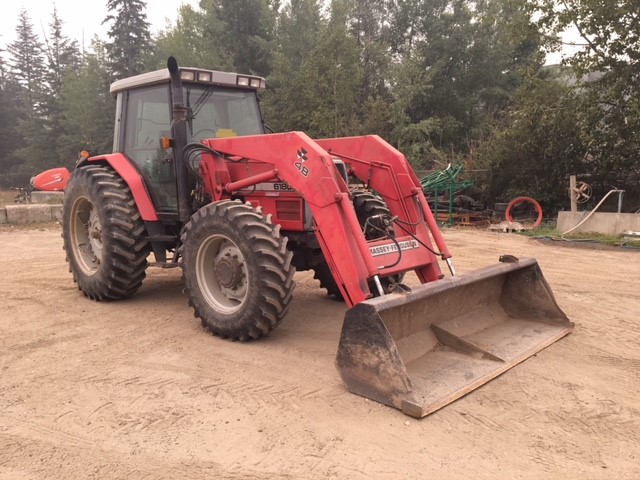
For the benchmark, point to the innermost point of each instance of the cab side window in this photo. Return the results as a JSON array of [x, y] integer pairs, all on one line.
[[148, 118]]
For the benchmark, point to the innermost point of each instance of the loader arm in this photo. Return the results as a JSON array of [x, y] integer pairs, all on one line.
[[387, 171], [308, 167], [369, 156]]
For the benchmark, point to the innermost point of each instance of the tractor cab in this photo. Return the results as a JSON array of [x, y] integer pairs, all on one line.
[[218, 104]]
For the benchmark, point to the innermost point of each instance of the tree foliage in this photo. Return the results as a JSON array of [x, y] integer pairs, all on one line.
[[27, 60], [333, 76], [194, 40], [443, 80], [536, 146], [27, 70], [286, 103], [247, 33], [62, 59], [607, 74], [89, 108], [461, 64], [10, 136], [130, 40]]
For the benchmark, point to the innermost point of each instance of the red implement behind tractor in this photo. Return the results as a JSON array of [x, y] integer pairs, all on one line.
[[52, 180], [195, 179]]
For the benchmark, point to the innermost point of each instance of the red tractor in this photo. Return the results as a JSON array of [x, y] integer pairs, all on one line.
[[196, 180]]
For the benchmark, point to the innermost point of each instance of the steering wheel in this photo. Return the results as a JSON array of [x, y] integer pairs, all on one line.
[[203, 133]]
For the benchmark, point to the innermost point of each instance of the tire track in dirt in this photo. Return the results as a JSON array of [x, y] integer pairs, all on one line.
[[44, 456], [137, 389], [152, 377], [629, 365]]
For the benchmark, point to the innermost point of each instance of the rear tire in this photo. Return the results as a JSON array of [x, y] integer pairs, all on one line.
[[322, 273], [104, 235], [237, 270]]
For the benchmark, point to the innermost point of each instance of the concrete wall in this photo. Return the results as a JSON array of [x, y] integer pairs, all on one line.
[[46, 197], [34, 213], [46, 208], [607, 223]]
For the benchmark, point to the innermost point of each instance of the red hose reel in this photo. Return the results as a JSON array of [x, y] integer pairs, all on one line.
[[517, 201]]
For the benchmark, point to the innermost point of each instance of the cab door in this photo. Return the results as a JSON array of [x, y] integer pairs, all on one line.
[[147, 118]]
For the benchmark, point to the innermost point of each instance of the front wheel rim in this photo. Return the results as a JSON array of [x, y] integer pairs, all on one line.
[[221, 272]]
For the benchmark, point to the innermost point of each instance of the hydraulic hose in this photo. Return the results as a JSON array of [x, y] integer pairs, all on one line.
[[592, 211]]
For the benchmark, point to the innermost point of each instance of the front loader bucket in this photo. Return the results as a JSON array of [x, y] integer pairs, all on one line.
[[420, 351]]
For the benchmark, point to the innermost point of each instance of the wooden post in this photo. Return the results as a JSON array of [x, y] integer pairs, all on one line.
[[572, 195]]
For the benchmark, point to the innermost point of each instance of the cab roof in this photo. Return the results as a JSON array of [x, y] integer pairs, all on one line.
[[191, 75]]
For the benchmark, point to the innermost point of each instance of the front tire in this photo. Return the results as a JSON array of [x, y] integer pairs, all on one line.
[[237, 270], [104, 235]]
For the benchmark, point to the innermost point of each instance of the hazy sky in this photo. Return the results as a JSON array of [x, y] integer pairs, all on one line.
[[83, 18], [80, 17]]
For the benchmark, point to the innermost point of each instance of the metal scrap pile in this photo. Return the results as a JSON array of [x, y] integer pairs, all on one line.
[[443, 188]]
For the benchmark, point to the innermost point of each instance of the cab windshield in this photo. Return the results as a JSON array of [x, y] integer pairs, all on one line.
[[218, 112]]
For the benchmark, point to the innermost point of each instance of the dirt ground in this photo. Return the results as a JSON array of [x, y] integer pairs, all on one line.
[[137, 389]]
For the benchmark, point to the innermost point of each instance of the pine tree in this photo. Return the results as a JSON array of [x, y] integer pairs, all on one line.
[[88, 107], [299, 25], [369, 26], [286, 102], [248, 32], [130, 40], [63, 59], [10, 138], [27, 63], [194, 41], [332, 78], [3, 73], [27, 68], [62, 54]]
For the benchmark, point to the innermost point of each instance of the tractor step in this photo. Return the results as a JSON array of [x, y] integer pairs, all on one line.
[[162, 238], [164, 264]]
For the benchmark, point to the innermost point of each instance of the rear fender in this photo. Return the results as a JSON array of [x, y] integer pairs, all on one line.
[[124, 167]]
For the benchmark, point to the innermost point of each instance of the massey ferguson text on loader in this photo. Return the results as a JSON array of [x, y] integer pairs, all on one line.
[[196, 180]]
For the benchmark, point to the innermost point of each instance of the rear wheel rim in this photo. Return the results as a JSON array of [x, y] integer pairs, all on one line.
[[221, 271], [86, 236]]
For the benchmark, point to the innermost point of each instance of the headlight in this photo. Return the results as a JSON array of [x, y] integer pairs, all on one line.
[[187, 75], [243, 81], [204, 77]]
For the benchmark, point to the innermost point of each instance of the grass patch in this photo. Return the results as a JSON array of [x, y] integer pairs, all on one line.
[[54, 201], [8, 197], [583, 237]]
